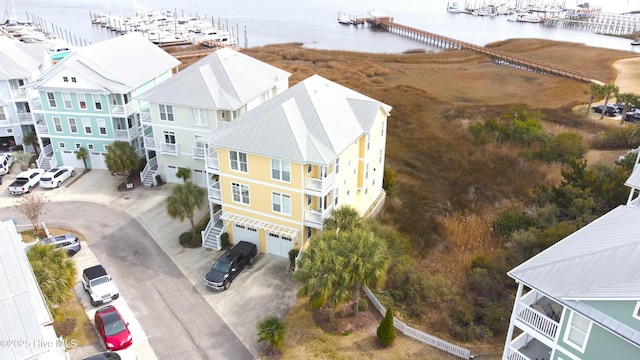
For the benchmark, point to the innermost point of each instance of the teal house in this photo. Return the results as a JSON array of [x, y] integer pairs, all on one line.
[[86, 99], [580, 298]]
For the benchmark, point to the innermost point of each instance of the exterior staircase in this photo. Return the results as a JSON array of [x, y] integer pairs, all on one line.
[[211, 235], [148, 174], [46, 160]]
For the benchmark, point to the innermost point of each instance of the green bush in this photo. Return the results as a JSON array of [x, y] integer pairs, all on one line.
[[389, 181], [386, 332], [185, 238], [196, 241], [224, 240], [363, 305], [293, 254], [510, 221]]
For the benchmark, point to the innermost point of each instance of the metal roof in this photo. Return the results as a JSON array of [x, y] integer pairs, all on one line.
[[311, 122], [119, 64], [18, 61], [224, 80]]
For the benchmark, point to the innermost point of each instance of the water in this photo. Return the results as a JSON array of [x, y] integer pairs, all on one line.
[[314, 22]]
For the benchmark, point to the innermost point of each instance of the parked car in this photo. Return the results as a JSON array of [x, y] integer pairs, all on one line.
[[98, 284], [53, 178], [112, 329], [6, 159], [125, 354], [25, 181], [69, 242], [230, 264], [610, 111], [632, 117]]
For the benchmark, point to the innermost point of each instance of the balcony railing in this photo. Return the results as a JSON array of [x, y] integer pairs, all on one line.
[[25, 117], [149, 142], [538, 318], [212, 162], [214, 192], [41, 127], [145, 117], [18, 93], [315, 218], [127, 134], [198, 152], [170, 149], [319, 187], [35, 104], [122, 109]]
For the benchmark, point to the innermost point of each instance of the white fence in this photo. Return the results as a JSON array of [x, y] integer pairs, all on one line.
[[407, 330]]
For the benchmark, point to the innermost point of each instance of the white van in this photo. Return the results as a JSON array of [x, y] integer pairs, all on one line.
[[6, 160]]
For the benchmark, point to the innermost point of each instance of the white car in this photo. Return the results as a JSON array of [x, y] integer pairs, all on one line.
[[53, 178]]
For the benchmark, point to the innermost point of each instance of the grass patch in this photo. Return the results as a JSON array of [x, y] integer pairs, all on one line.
[[83, 332]]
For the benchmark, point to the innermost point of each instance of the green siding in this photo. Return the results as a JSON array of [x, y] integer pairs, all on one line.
[[619, 310]]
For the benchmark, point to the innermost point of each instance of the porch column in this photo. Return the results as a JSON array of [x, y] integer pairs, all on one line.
[[512, 321]]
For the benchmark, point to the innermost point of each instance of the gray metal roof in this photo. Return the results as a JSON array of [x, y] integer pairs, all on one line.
[[17, 60], [226, 80], [311, 122], [23, 312], [119, 64]]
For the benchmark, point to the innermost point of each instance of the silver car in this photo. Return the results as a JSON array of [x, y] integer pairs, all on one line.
[[69, 242]]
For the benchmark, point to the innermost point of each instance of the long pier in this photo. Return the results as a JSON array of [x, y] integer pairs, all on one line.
[[497, 56]]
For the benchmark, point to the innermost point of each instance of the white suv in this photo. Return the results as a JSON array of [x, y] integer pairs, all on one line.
[[6, 160]]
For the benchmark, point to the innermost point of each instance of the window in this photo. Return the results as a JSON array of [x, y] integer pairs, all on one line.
[[52, 99], [73, 79], [382, 131], [335, 197], [57, 124], [337, 165], [240, 193], [578, 331], [97, 102], [280, 170], [61, 145], [2, 115], [73, 126], [102, 127], [86, 123], [66, 97], [199, 117], [366, 171], [90, 146], [166, 112], [309, 232], [9, 131], [368, 141], [309, 168], [82, 101], [380, 158], [309, 200], [281, 203], [238, 161], [78, 146], [169, 137], [65, 78]]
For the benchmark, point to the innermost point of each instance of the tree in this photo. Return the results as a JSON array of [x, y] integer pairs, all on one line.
[[344, 218], [272, 330], [184, 201], [184, 174], [122, 158], [627, 99], [386, 332], [81, 154], [32, 206], [54, 271], [31, 138], [608, 90], [595, 91]]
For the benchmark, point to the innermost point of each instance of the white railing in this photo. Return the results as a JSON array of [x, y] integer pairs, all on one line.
[[518, 343], [438, 343], [152, 165], [319, 186], [210, 226], [516, 355], [214, 191], [41, 128], [198, 152], [122, 109], [19, 93], [149, 142], [171, 149], [211, 160], [25, 117], [127, 134], [46, 152], [537, 320], [145, 117], [315, 218], [35, 104]]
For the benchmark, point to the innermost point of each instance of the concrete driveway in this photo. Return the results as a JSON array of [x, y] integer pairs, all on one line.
[[135, 240]]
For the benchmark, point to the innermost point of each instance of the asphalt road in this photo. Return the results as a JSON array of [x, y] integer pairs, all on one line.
[[177, 320]]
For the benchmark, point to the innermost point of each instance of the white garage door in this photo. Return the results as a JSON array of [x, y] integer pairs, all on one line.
[[199, 177], [97, 160], [171, 172], [69, 159], [279, 245], [245, 233]]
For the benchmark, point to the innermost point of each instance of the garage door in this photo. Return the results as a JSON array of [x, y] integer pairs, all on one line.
[[97, 160], [199, 178], [69, 158], [279, 245], [171, 172], [245, 233]]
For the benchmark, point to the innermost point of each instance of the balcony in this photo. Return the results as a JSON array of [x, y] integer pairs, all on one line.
[[215, 195], [527, 347], [127, 134], [539, 313], [145, 117], [25, 118], [198, 152], [5, 123], [35, 104], [169, 149], [319, 187], [19, 94], [125, 109], [149, 142], [41, 127], [212, 162], [315, 218]]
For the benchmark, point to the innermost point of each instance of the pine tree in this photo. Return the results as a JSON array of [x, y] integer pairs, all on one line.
[[386, 331]]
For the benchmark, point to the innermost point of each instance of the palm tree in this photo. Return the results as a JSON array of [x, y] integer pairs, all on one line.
[[627, 99], [608, 91], [31, 138], [122, 158], [184, 174], [344, 218], [595, 91], [271, 329], [54, 271], [81, 154], [366, 262], [184, 201]]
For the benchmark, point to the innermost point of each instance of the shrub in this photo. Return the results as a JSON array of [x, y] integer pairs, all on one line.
[[293, 254], [159, 179], [185, 238], [386, 332], [202, 224], [224, 240], [196, 241], [363, 305], [510, 221], [272, 330], [389, 181]]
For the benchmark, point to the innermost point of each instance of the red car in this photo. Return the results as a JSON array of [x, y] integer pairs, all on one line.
[[112, 328]]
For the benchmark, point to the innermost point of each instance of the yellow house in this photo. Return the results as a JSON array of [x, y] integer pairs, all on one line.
[[276, 172]]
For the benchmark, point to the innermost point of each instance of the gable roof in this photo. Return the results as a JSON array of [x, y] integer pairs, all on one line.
[[226, 79], [119, 65], [311, 122], [19, 60]]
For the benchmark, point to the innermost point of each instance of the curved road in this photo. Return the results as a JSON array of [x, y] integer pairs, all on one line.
[[177, 320]]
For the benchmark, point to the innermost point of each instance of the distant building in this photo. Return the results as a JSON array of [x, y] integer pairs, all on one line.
[[276, 172], [86, 99], [580, 298]]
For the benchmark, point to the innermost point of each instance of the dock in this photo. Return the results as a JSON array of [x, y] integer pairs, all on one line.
[[499, 57]]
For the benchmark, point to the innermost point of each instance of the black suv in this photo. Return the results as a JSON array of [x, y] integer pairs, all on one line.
[[609, 111], [230, 264], [632, 117]]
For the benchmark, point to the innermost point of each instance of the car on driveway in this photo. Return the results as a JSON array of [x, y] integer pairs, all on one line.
[[53, 178], [99, 285], [6, 159], [25, 181], [632, 117], [230, 264], [112, 329], [69, 242]]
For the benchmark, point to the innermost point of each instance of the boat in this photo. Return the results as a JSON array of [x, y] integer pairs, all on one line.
[[453, 7], [636, 41], [525, 17]]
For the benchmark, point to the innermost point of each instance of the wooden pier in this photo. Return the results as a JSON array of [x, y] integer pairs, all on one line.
[[497, 56], [603, 23]]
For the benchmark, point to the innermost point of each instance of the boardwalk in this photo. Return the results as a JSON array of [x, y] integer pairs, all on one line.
[[497, 56]]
